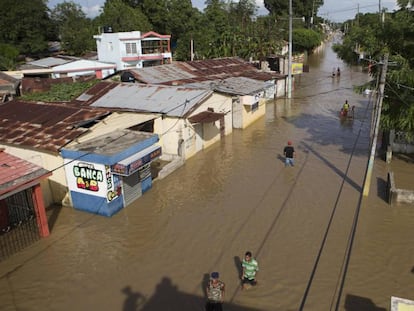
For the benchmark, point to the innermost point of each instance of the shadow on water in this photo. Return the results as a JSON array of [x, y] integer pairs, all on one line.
[[356, 303], [382, 189], [52, 215], [168, 297], [238, 265], [333, 167], [328, 129]]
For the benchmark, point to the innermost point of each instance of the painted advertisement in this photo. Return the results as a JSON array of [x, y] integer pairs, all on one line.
[[113, 184], [88, 178], [297, 68]]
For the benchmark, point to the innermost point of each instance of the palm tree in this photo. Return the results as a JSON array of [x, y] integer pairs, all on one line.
[[405, 3]]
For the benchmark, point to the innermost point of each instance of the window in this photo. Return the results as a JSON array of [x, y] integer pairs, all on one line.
[[131, 48], [255, 106]]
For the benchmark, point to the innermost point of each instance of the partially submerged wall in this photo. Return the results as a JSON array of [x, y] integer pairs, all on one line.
[[395, 195]]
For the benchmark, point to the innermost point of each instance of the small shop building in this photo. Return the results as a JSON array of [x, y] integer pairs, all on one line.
[[109, 172]]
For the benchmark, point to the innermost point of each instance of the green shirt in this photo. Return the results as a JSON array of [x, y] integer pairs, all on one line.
[[250, 268]]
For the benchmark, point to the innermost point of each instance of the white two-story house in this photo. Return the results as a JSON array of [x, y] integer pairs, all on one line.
[[134, 49]]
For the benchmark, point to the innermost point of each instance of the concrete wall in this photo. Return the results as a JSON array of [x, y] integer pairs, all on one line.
[[395, 195], [250, 115]]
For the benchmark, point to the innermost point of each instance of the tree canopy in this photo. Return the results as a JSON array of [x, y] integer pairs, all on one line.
[[224, 28], [369, 39], [26, 25]]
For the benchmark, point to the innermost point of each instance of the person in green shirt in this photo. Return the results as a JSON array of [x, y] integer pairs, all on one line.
[[250, 267]]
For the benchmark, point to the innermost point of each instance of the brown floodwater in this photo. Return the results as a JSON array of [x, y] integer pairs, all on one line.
[[319, 244]]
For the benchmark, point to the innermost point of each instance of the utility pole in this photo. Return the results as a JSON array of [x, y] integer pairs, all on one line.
[[377, 117], [289, 88], [358, 15], [191, 49]]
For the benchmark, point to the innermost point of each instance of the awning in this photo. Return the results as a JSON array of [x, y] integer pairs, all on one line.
[[132, 164], [206, 117]]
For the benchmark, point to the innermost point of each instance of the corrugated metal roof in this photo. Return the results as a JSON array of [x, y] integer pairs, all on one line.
[[43, 126], [49, 62], [169, 100], [94, 93], [83, 64], [110, 144], [180, 73], [16, 172], [161, 74], [233, 85]]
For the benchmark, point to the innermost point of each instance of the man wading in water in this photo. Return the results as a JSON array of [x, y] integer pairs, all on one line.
[[215, 293], [289, 153]]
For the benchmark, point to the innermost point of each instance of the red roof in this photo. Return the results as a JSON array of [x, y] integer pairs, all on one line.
[[16, 172], [44, 126]]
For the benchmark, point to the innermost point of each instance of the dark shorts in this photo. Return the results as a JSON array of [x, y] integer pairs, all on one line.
[[247, 281], [214, 306]]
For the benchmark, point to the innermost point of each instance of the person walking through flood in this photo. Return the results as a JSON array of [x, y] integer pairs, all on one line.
[[346, 106], [289, 153], [215, 293], [250, 267]]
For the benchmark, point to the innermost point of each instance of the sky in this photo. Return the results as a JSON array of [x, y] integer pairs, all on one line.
[[333, 10]]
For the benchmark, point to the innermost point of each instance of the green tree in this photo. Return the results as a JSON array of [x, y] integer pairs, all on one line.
[[122, 17], [305, 40], [394, 36], [75, 29], [8, 56], [175, 17], [26, 25], [405, 3], [306, 8]]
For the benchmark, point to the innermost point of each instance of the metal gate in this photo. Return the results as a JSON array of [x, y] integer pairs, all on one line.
[[18, 225]]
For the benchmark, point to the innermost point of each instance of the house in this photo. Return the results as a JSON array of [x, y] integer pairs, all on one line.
[[248, 97], [9, 87], [50, 135], [133, 49], [36, 131], [67, 66], [187, 120], [22, 209]]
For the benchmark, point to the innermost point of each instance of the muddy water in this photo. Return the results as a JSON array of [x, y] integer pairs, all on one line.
[[237, 196]]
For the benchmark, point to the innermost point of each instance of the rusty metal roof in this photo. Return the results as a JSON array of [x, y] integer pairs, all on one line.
[[232, 85], [94, 93], [16, 172], [201, 70], [44, 126], [168, 100]]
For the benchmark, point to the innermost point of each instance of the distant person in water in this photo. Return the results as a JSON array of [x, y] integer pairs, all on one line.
[[338, 72], [289, 153], [345, 107]]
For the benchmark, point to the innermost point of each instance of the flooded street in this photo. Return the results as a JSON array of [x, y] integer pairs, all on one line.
[[236, 196]]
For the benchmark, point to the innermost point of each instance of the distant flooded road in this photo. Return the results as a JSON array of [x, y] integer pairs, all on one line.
[[233, 197]]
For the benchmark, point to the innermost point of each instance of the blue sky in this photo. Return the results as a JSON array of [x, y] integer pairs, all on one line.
[[334, 10]]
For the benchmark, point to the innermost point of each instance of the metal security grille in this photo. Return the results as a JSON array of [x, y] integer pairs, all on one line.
[[18, 226], [132, 188]]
